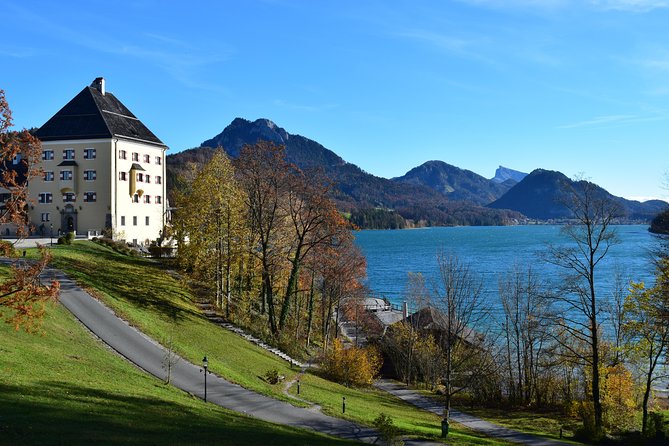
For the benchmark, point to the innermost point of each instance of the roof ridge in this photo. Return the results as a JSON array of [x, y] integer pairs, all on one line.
[[98, 109]]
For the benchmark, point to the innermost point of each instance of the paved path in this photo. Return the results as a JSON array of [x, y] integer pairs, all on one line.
[[472, 422], [148, 355]]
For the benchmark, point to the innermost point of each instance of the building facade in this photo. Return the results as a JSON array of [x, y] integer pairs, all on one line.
[[104, 171]]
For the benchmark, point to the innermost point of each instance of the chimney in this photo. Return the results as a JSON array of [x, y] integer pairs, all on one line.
[[99, 85]]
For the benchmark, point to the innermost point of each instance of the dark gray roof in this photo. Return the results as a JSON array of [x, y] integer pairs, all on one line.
[[92, 115], [68, 163]]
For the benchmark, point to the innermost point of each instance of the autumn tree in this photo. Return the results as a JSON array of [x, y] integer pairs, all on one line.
[[647, 325], [210, 223], [525, 331], [264, 176], [458, 296], [22, 295], [313, 221], [590, 235], [342, 267]]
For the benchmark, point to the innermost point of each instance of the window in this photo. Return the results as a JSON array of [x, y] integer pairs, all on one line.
[[147, 221], [122, 220], [46, 216], [158, 199], [65, 175], [69, 197], [68, 154], [140, 177], [135, 156], [16, 159], [158, 160], [89, 154], [90, 197], [134, 221], [123, 176], [47, 155], [159, 179], [135, 198], [147, 158], [147, 178], [147, 198], [90, 175], [122, 154], [45, 197], [48, 175]]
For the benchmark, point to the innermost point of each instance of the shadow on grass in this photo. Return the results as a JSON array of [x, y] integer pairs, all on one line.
[[126, 278], [55, 413]]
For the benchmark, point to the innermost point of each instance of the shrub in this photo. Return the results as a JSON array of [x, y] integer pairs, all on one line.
[[352, 366], [389, 432], [61, 240], [69, 238], [658, 426], [6, 249], [272, 376]]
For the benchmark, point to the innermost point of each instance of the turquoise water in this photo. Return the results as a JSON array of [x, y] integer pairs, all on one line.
[[491, 252]]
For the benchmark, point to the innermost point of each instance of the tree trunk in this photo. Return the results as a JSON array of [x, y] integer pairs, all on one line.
[[291, 287], [310, 311]]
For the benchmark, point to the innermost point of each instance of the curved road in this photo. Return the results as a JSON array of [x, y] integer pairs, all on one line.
[[148, 355]]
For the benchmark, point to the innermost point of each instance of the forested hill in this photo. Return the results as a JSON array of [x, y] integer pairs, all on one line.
[[373, 201], [455, 183], [540, 195]]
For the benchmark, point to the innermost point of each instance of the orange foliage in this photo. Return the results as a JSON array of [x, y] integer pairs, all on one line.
[[25, 296], [352, 366], [22, 296]]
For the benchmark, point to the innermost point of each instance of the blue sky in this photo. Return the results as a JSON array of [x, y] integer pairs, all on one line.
[[579, 86]]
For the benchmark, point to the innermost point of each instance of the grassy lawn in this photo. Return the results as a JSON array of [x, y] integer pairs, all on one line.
[[364, 405], [141, 292], [546, 424], [66, 388]]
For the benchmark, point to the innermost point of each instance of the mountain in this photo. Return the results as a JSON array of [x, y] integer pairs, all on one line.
[[356, 190], [455, 183], [504, 174], [540, 195]]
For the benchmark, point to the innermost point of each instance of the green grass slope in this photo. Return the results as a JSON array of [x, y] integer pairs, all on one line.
[[143, 293], [67, 388]]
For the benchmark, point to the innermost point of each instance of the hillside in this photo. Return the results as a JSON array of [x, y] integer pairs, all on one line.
[[67, 388], [455, 183], [356, 190], [540, 195], [152, 300]]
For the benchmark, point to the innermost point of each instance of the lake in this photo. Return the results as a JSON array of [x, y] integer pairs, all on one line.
[[492, 251]]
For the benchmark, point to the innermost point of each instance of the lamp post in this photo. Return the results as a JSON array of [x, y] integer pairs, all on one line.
[[205, 365], [51, 226]]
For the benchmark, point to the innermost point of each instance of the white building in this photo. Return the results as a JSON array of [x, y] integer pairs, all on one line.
[[103, 171]]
